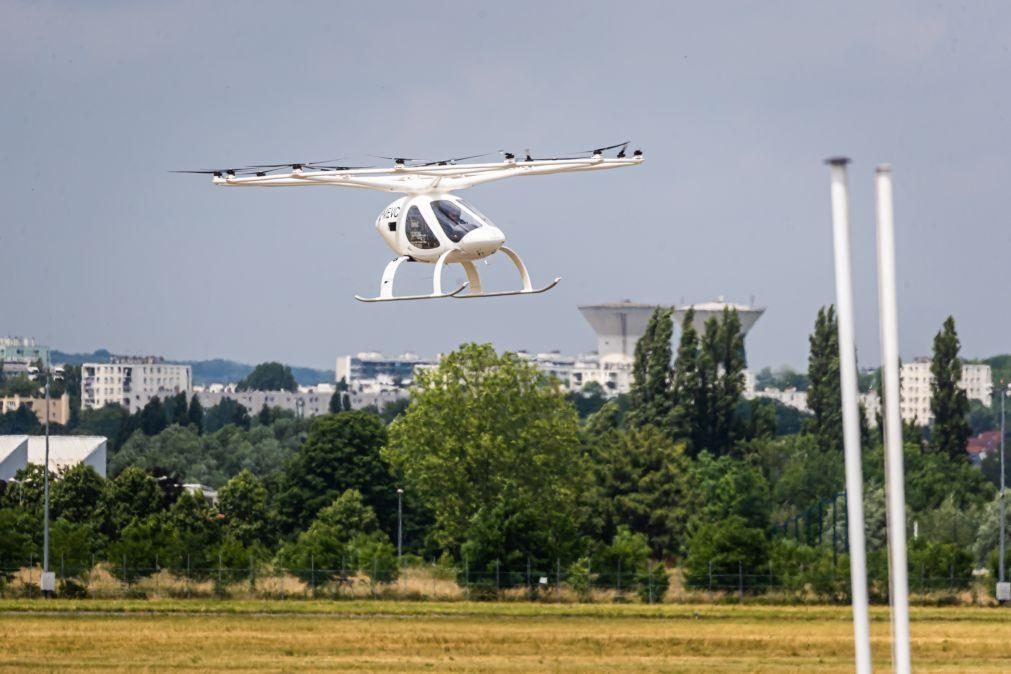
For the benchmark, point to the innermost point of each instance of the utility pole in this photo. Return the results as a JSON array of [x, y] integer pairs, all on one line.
[[48, 581], [400, 525], [1003, 587]]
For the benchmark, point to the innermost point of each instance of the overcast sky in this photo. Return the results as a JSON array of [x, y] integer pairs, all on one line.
[[734, 104]]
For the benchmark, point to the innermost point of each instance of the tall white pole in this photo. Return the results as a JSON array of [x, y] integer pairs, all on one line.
[[850, 410], [45, 473], [1003, 515], [894, 465]]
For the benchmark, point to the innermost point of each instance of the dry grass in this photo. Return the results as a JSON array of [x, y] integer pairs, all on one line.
[[462, 636]]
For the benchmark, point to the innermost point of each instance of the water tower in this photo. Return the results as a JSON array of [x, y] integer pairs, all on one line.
[[748, 314], [618, 325]]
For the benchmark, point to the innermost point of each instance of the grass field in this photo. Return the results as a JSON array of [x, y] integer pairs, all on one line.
[[279, 636]]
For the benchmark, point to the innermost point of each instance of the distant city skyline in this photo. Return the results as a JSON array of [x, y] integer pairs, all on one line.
[[734, 106]]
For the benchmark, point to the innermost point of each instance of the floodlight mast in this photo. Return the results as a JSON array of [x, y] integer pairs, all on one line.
[[850, 410]]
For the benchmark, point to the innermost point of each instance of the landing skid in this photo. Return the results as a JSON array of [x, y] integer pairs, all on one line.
[[504, 293], [473, 280], [455, 293]]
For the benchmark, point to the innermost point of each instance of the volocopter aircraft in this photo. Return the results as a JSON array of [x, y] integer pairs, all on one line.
[[430, 223]]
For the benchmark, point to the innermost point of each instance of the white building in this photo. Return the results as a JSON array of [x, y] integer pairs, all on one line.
[[307, 401], [916, 381], [132, 382], [65, 451]]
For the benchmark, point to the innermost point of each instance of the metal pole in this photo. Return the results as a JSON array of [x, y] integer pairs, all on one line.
[[45, 529], [400, 528], [851, 424], [1003, 395], [894, 469]]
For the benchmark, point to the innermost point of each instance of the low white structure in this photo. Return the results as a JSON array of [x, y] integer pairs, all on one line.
[[65, 451], [132, 382]]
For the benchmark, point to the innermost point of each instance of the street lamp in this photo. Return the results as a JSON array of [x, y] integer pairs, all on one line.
[[400, 525], [1003, 588], [48, 581]]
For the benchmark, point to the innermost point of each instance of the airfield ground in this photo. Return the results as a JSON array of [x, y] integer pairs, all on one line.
[[260, 636]]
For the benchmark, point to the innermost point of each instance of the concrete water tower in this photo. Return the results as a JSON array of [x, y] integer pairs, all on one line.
[[748, 314], [618, 325]]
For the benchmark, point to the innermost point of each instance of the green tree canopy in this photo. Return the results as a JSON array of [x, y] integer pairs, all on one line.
[[824, 395], [488, 436], [948, 403], [650, 398], [270, 376], [340, 453], [243, 502]]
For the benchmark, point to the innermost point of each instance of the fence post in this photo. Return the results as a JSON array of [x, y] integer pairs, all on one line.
[[710, 575], [280, 581], [91, 576], [835, 549], [252, 576], [558, 578], [126, 579], [589, 578], [63, 574], [312, 574], [497, 595], [740, 580], [619, 575], [31, 567], [466, 577], [951, 576], [375, 574], [221, 589], [187, 575], [529, 589], [649, 572], [157, 580], [923, 587]]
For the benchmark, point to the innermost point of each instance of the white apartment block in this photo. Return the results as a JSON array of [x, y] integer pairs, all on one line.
[[916, 381], [307, 401], [132, 382]]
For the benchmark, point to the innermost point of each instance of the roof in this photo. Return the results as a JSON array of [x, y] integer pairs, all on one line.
[[984, 443]]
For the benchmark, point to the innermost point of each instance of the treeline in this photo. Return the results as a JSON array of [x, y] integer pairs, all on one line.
[[501, 471]]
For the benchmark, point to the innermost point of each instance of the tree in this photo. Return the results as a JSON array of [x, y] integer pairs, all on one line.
[[949, 403], [195, 414], [650, 397], [226, 412], [686, 385], [21, 421], [152, 417], [111, 421], [133, 494], [329, 544], [175, 409], [489, 439], [335, 406], [824, 395], [77, 494], [340, 453], [243, 502], [270, 376], [643, 481]]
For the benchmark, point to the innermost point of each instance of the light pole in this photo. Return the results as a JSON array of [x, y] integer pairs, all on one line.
[[47, 582], [400, 523], [1002, 588]]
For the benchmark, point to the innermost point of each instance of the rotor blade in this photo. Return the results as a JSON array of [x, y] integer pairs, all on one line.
[[453, 160], [598, 150]]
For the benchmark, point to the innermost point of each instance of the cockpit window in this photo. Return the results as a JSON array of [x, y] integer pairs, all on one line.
[[454, 220], [418, 233]]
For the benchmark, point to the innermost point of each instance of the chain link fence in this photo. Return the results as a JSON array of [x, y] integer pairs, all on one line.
[[439, 581]]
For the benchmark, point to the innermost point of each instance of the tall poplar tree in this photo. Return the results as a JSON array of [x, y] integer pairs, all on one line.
[[948, 403], [650, 397], [685, 383], [824, 397]]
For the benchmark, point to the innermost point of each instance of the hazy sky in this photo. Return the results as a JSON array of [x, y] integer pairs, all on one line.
[[734, 104]]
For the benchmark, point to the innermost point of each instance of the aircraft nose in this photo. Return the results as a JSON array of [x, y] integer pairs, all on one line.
[[483, 240]]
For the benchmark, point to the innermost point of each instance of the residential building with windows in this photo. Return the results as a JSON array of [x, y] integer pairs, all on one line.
[[23, 350], [132, 382], [59, 408], [307, 401], [916, 381]]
